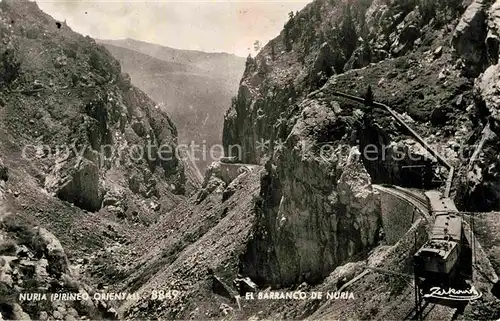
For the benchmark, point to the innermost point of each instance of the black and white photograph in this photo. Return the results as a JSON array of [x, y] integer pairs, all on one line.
[[250, 160]]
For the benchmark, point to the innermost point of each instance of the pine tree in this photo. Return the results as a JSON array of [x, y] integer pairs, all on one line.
[[249, 61]]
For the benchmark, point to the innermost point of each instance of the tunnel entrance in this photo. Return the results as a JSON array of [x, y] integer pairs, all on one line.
[[388, 162], [496, 290]]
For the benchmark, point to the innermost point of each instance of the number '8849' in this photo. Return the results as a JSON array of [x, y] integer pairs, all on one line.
[[164, 294]]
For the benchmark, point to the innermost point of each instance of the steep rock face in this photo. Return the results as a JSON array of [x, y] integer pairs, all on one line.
[[480, 177], [89, 128], [361, 201], [4, 176], [54, 251], [213, 181], [478, 184], [312, 214], [301, 59], [4, 171], [177, 80], [396, 217], [33, 259], [469, 35]]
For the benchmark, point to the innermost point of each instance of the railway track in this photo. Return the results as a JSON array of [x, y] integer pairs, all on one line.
[[428, 310], [419, 201]]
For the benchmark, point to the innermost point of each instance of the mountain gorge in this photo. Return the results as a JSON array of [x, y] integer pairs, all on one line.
[[304, 210], [195, 88]]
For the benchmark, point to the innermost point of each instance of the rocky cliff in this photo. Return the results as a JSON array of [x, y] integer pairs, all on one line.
[[433, 62], [87, 153], [70, 93]]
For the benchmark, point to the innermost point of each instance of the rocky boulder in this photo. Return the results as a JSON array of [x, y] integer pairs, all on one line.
[[82, 188], [360, 58], [488, 89], [76, 181], [53, 251], [213, 181], [325, 62], [407, 37]]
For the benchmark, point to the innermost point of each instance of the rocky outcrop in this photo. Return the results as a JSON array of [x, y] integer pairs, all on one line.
[[116, 202], [107, 132], [79, 186], [301, 222], [487, 89], [361, 201], [312, 48], [323, 66], [479, 177], [32, 260], [360, 58], [193, 245], [4, 176], [213, 182], [315, 209], [469, 36], [317, 205]]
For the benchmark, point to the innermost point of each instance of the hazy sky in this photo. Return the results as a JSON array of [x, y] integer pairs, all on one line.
[[229, 26]]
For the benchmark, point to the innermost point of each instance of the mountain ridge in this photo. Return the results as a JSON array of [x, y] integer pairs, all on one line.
[[176, 66], [213, 62], [125, 40]]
